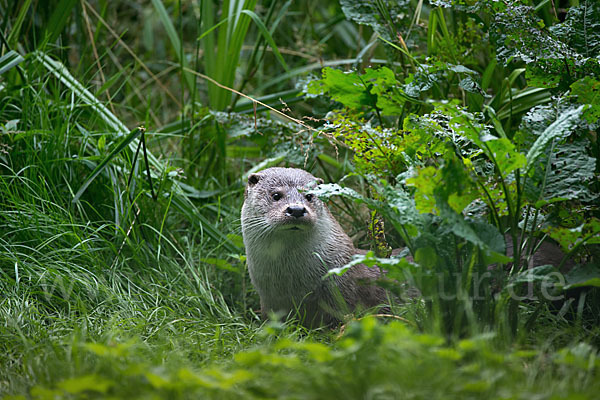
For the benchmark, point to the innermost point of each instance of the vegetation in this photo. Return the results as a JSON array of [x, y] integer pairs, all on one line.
[[450, 128]]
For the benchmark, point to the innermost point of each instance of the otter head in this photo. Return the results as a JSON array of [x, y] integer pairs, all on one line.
[[276, 201]]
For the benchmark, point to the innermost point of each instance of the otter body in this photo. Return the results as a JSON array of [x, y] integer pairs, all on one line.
[[292, 241]]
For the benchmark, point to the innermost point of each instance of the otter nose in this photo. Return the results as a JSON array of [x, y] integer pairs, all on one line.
[[296, 211]]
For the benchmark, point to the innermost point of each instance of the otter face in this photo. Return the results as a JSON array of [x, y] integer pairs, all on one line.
[[276, 201]]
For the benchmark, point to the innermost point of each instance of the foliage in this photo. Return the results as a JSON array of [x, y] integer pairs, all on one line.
[[479, 180], [555, 56], [469, 127]]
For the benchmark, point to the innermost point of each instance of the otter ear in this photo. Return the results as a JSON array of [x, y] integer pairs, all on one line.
[[253, 179]]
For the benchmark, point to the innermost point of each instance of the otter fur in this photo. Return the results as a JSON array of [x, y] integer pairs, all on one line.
[[292, 241]]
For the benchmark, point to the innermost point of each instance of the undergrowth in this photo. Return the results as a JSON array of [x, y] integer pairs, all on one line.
[[464, 126]]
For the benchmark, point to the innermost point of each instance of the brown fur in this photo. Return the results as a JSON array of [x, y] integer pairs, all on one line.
[[288, 255]]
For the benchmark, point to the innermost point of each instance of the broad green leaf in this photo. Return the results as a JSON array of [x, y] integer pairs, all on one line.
[[565, 173], [370, 13], [587, 90], [426, 257], [376, 87], [581, 28], [390, 98], [582, 276], [468, 84], [560, 128], [112, 350], [589, 232], [316, 351], [346, 87], [381, 79], [506, 156], [327, 190], [425, 182], [157, 381], [422, 80], [489, 239], [491, 236], [399, 206]]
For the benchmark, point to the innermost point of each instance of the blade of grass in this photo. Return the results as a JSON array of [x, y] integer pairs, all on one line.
[[267, 36], [10, 60], [13, 37], [57, 21], [180, 200], [61, 72], [174, 39], [104, 163]]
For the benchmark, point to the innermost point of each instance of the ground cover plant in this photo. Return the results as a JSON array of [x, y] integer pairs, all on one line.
[[464, 132]]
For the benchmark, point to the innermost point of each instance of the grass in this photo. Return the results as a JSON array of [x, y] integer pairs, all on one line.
[[123, 294]]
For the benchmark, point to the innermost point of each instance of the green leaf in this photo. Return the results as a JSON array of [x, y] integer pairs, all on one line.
[[589, 232], [587, 90], [582, 276], [10, 60], [506, 156], [557, 56], [560, 128], [425, 182], [426, 257], [92, 383], [376, 87], [378, 16], [581, 28], [399, 206], [371, 261], [346, 87], [316, 351], [174, 39], [267, 36], [582, 356], [17, 24], [544, 273], [157, 381], [111, 350], [57, 21], [327, 190], [488, 240], [564, 173]]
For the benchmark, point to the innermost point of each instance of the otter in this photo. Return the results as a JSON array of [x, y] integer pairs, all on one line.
[[292, 241]]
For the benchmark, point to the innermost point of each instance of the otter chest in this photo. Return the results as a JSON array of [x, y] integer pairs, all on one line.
[[284, 275]]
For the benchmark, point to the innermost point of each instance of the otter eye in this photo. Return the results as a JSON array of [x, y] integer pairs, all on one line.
[[308, 197], [276, 196]]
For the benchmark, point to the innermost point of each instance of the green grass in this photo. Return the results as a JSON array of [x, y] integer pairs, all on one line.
[[108, 291]]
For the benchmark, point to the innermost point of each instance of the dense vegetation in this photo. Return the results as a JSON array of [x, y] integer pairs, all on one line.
[[449, 128]]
